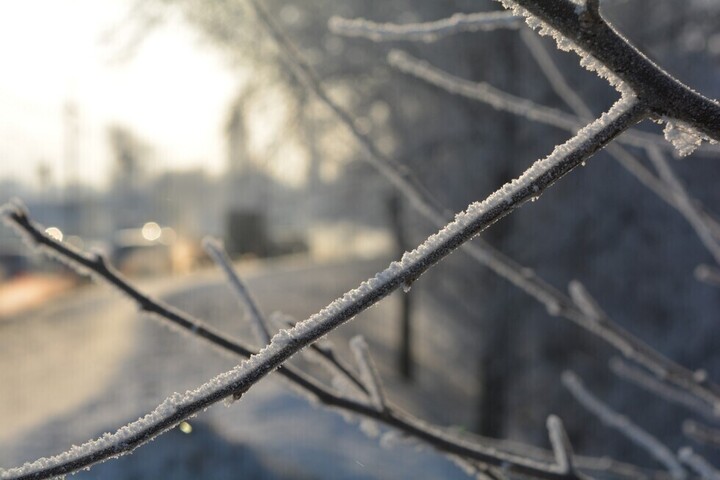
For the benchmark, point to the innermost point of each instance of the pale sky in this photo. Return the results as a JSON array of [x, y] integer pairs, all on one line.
[[173, 92]]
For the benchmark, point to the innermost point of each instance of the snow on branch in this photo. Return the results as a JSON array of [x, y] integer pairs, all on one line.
[[668, 186], [478, 216], [603, 50], [424, 32], [524, 278], [506, 102], [624, 425]]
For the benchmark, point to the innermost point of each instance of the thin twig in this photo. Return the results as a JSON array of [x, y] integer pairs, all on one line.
[[468, 224], [698, 464], [217, 252], [624, 425], [621, 63], [653, 384], [503, 101], [424, 32], [368, 372]]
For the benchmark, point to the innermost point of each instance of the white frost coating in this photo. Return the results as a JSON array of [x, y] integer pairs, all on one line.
[[483, 92], [425, 32], [684, 138], [565, 44], [524, 182]]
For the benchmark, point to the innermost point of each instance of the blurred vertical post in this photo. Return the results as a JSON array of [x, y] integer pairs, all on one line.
[[405, 351]]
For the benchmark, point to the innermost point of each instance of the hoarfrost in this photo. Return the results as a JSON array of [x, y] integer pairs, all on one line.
[[683, 137], [586, 59]]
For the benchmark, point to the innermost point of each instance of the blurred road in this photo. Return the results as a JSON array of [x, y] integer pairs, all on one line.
[[88, 363]]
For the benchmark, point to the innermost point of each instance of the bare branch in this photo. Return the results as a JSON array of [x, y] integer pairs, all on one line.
[[424, 32], [668, 187], [555, 302], [624, 425], [217, 252], [686, 205], [503, 101], [585, 302], [554, 75]]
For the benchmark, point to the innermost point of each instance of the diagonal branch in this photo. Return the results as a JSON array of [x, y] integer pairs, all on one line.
[[624, 425], [525, 279], [603, 49], [466, 225]]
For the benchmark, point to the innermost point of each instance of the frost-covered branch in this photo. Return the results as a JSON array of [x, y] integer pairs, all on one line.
[[424, 32], [541, 175], [668, 186], [477, 450], [670, 189], [507, 102], [624, 425], [524, 278], [605, 51]]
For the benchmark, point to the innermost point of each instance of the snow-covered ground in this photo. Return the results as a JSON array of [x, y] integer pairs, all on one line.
[[88, 364]]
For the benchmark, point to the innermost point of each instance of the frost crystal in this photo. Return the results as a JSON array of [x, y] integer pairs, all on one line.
[[684, 138]]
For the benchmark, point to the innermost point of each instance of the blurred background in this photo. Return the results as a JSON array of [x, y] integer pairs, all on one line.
[[135, 128]]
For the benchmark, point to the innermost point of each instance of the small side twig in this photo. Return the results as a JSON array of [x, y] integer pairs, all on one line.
[[624, 425], [698, 464]]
